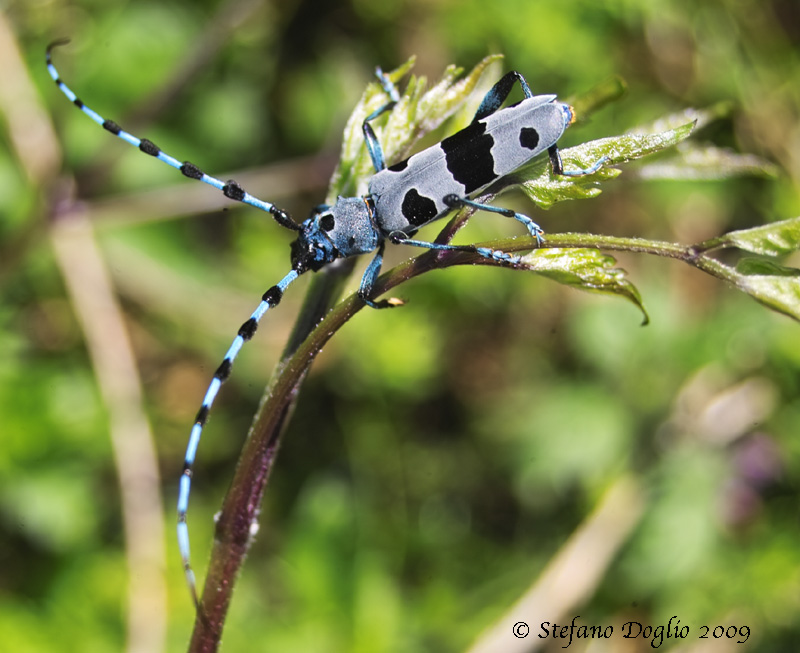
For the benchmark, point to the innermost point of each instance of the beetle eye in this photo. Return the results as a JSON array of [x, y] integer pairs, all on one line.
[[327, 222]]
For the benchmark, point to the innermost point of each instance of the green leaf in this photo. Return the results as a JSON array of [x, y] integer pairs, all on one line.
[[587, 269], [447, 96], [774, 285], [773, 239], [779, 290], [701, 162], [706, 162], [620, 149], [699, 117], [545, 189], [760, 266]]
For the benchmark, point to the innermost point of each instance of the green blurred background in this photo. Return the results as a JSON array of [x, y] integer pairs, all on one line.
[[441, 454]]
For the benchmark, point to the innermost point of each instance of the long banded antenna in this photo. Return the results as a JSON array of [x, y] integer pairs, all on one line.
[[270, 299], [230, 188]]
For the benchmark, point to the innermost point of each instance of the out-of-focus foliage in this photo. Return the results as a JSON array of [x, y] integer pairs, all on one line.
[[442, 452]]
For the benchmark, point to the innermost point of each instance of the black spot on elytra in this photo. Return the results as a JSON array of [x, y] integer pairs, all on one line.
[[399, 166], [418, 209], [528, 138], [327, 222], [468, 154]]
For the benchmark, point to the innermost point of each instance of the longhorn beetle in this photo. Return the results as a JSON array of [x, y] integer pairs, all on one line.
[[402, 198]]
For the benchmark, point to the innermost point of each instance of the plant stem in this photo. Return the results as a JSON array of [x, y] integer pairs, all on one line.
[[238, 519]]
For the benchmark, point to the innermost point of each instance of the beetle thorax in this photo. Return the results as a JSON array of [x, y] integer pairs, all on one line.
[[345, 229]]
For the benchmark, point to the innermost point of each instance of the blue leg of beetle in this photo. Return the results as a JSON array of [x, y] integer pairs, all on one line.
[[558, 165], [373, 145], [270, 299], [388, 85], [499, 92], [454, 201], [230, 188], [374, 268], [485, 252], [368, 281]]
